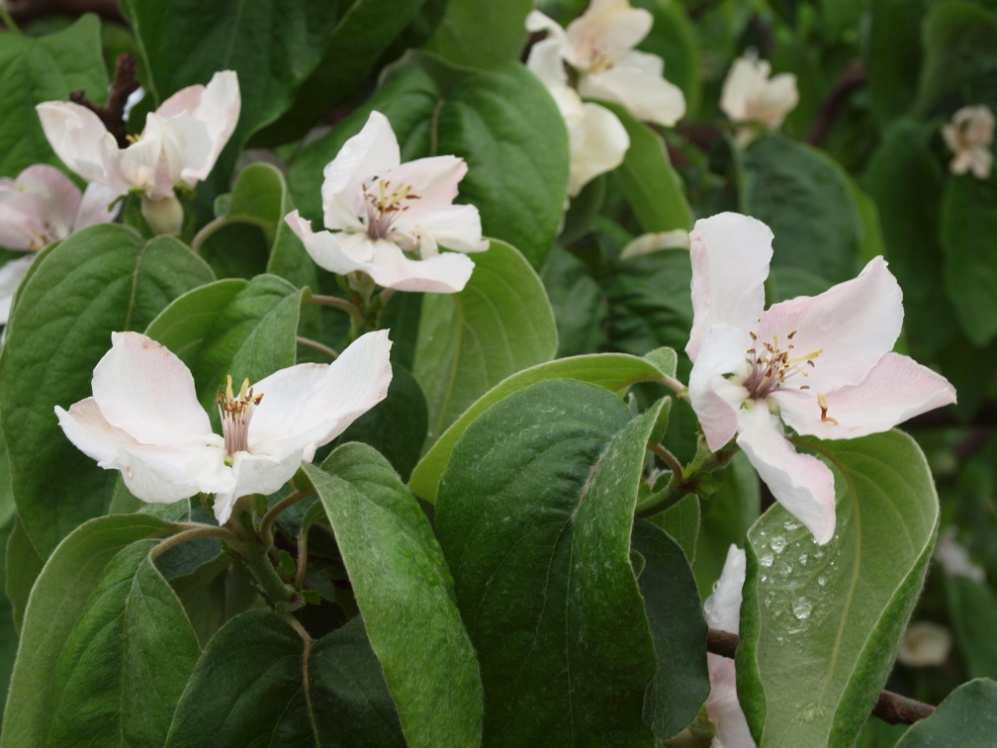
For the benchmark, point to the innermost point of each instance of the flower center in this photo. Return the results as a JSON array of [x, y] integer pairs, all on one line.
[[384, 202], [236, 412], [772, 366]]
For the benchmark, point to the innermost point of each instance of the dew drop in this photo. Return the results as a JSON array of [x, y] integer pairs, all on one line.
[[818, 553], [802, 609], [765, 578], [778, 544], [803, 559], [790, 525], [822, 580], [766, 559], [784, 569]]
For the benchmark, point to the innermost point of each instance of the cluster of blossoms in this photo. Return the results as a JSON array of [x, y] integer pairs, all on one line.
[[752, 97]]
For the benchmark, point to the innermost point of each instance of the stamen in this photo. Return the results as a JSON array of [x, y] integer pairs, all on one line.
[[824, 417], [383, 203], [236, 412]]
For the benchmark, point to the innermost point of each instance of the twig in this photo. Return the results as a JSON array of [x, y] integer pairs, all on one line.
[[891, 707], [266, 524], [343, 305], [113, 114], [852, 79], [302, 568], [671, 460], [8, 20], [332, 353], [191, 532]]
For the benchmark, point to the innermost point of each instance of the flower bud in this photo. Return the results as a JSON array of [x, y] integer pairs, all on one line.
[[164, 216]]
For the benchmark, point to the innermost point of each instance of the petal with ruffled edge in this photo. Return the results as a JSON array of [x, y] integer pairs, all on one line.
[[370, 153], [80, 139], [154, 474], [11, 275], [851, 325], [801, 483], [142, 388], [713, 397], [897, 389], [255, 474], [97, 206], [306, 406], [608, 29], [730, 256], [636, 82]]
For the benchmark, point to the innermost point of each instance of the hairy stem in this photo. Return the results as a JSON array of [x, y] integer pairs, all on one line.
[[267, 523], [191, 531], [331, 353]]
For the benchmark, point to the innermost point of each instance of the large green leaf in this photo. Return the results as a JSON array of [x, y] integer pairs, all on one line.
[[535, 515], [91, 668], [481, 34], [893, 56], [100, 280], [820, 625], [967, 719], [46, 68], [468, 342], [22, 567], [614, 371], [807, 200], [399, 576], [580, 306], [969, 224], [243, 328], [972, 609], [259, 683]]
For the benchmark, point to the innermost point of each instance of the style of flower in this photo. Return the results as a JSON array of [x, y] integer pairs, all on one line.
[[599, 47], [821, 365], [178, 147], [752, 96], [144, 419], [378, 211], [37, 208], [969, 136], [722, 610], [597, 139]]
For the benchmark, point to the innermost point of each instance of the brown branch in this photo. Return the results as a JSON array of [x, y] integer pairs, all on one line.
[[891, 707], [113, 113], [852, 79]]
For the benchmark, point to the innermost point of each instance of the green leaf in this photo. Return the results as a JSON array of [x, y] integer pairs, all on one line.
[[481, 34], [22, 567], [681, 521], [46, 68], [820, 625], [893, 56], [259, 683], [673, 39], [807, 200], [969, 223], [967, 718], [616, 372], [243, 328], [535, 515], [647, 180], [468, 342], [98, 623], [972, 609], [399, 576], [100, 280], [579, 304]]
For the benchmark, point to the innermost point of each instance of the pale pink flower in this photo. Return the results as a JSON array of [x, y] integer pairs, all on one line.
[[600, 46], [955, 559], [751, 95], [378, 211], [821, 365], [969, 136], [144, 419]]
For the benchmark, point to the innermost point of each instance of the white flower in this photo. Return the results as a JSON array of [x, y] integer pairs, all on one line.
[[178, 146], [925, 644], [596, 136], [144, 419], [954, 558], [377, 209], [723, 612], [750, 96], [599, 45], [822, 365], [37, 208], [969, 136]]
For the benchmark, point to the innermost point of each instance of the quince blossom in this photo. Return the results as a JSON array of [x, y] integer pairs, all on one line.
[[378, 210], [37, 208], [969, 136], [597, 139], [822, 365], [751, 95], [925, 644], [722, 610], [144, 419], [599, 47]]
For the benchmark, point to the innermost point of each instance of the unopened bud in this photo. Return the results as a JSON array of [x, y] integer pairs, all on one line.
[[164, 216]]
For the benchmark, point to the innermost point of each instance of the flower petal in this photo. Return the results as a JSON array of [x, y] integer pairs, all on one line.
[[730, 262], [11, 275], [853, 325], [723, 607], [255, 474], [537, 21], [306, 406], [217, 109], [433, 179], [444, 273], [801, 483], [545, 61], [95, 207], [897, 388], [598, 145], [339, 253], [455, 227], [714, 398], [608, 29], [745, 80], [370, 153], [80, 139], [636, 82], [143, 389], [60, 198]]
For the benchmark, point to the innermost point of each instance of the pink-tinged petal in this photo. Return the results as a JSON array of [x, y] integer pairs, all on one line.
[[723, 707], [852, 325], [456, 227], [730, 261], [546, 63], [723, 607], [897, 389], [22, 226], [99, 205], [154, 474], [306, 406], [11, 275], [434, 180], [370, 153], [609, 28], [80, 139], [154, 163], [143, 389], [598, 144], [60, 198], [746, 78], [217, 110], [255, 474], [443, 273], [715, 399], [801, 483], [184, 101], [339, 253], [636, 82]]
